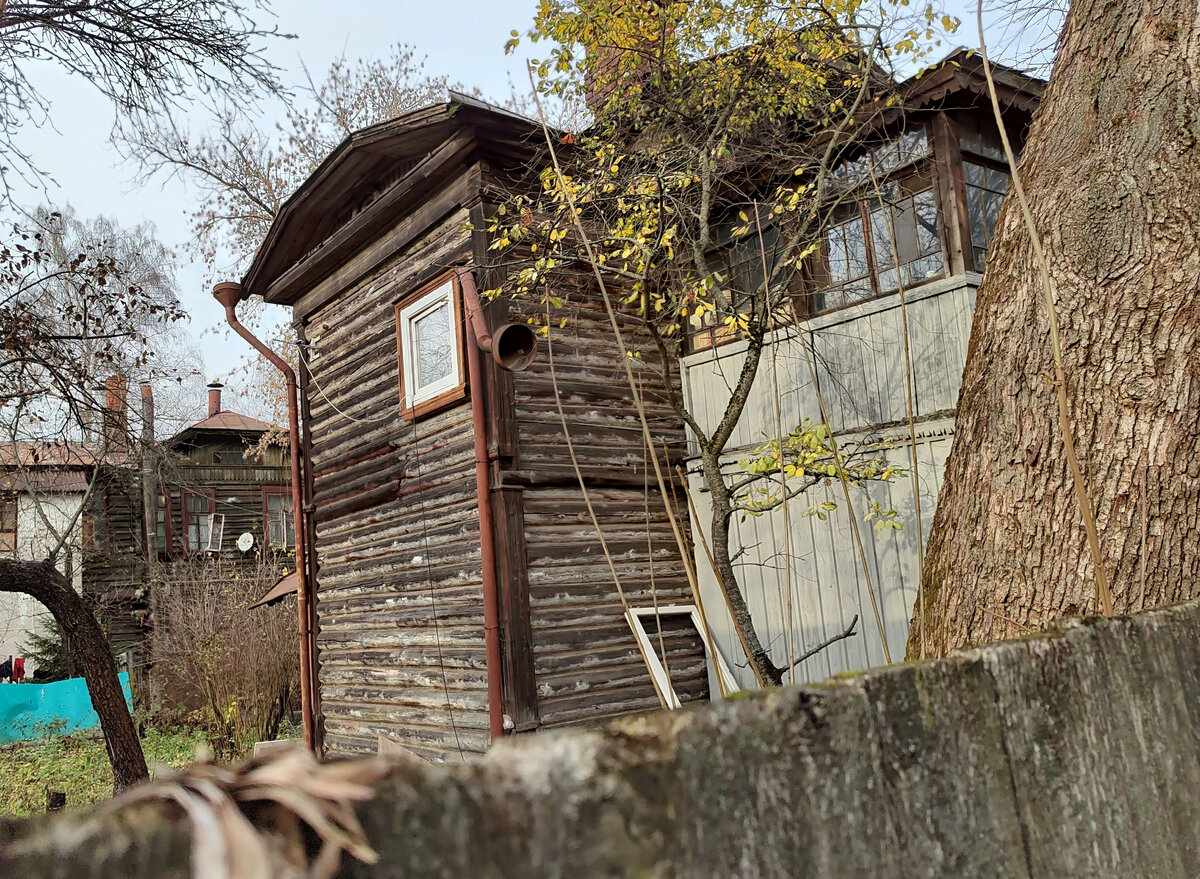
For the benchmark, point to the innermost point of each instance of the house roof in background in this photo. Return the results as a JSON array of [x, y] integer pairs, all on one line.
[[46, 454], [45, 481], [225, 420], [45, 468]]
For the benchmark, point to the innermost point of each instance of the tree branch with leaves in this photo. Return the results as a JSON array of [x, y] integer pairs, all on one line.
[[700, 192]]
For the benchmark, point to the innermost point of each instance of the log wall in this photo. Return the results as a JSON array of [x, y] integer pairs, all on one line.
[[399, 583], [586, 661]]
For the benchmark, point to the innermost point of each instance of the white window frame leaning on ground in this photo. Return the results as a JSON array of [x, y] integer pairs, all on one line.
[[442, 294], [658, 673]]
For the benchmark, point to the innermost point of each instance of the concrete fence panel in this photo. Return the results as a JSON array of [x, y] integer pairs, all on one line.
[[1073, 753]]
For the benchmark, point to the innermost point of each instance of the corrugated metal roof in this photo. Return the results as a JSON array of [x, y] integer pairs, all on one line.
[[55, 454], [45, 481]]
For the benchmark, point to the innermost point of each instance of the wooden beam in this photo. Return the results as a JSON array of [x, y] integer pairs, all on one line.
[[385, 246], [351, 238]]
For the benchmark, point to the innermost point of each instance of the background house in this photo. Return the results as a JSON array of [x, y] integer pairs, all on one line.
[[205, 487], [941, 177], [221, 482], [42, 487]]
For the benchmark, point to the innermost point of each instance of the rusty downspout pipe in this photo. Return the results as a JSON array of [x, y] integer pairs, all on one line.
[[512, 347], [483, 494], [229, 294]]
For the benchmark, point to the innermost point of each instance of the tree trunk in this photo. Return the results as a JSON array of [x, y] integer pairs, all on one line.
[[1110, 170], [739, 610], [43, 581]]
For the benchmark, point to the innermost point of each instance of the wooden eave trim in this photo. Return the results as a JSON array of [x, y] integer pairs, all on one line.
[[351, 142], [385, 246], [361, 228]]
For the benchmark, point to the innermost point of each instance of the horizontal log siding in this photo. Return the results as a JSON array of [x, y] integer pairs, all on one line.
[[113, 560], [399, 581], [242, 482], [587, 664]]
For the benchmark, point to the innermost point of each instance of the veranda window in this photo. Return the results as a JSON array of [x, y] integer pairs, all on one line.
[[904, 235], [279, 525], [162, 524], [842, 271], [887, 234], [202, 525], [744, 265], [986, 187]]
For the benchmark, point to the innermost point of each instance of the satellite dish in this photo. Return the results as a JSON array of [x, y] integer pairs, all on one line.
[[245, 541]]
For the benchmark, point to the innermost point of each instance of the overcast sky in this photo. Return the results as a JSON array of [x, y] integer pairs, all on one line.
[[463, 39]]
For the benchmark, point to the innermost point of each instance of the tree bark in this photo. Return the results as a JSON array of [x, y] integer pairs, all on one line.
[[44, 582], [1110, 170], [739, 609]]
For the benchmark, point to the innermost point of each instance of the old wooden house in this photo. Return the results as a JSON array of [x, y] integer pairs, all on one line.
[[434, 481], [438, 482], [159, 504], [921, 226], [223, 483]]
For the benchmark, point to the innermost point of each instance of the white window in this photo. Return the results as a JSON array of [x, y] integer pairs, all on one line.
[[427, 333], [718, 670], [216, 532]]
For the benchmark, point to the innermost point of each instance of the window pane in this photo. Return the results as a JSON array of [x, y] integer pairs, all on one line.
[[856, 291], [925, 268], [910, 224], [975, 175], [281, 530], [856, 250], [985, 197], [434, 345], [881, 239], [160, 525], [839, 271], [8, 523]]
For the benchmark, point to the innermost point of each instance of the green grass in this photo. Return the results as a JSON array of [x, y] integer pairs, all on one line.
[[79, 766]]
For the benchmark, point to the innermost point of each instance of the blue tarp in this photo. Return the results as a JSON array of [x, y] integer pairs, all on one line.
[[33, 711]]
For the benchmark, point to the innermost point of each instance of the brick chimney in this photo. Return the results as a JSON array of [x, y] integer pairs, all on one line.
[[214, 398], [116, 415], [147, 413], [606, 61]]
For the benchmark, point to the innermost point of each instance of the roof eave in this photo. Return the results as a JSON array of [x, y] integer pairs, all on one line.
[[253, 282]]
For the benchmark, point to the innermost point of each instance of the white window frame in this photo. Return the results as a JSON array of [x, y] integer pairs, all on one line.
[[407, 316], [658, 673], [216, 532]]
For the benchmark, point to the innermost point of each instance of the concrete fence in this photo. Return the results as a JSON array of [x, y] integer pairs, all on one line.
[[1069, 754]]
